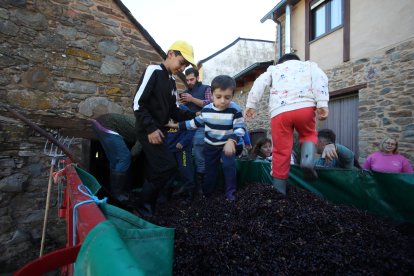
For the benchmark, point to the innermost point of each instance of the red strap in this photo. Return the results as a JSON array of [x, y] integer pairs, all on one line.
[[49, 262]]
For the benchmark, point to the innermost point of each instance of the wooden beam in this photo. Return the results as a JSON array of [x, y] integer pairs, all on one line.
[[347, 91], [307, 29], [346, 31]]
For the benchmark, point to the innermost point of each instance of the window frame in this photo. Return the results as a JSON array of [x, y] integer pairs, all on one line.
[[328, 29]]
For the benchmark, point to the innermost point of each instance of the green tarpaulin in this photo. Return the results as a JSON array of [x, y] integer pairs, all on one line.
[[124, 244], [386, 194]]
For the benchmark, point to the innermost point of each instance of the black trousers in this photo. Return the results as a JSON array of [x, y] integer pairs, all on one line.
[[161, 165]]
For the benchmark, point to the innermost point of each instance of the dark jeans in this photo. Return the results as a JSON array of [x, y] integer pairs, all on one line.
[[185, 168], [115, 148], [198, 149], [214, 155]]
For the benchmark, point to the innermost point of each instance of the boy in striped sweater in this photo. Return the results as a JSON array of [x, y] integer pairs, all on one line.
[[224, 127]]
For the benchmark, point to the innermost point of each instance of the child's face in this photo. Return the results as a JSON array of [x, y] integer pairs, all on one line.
[[175, 63], [222, 98], [266, 149]]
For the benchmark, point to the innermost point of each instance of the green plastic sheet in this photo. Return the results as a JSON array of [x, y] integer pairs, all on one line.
[[124, 244], [253, 172], [89, 180], [385, 194]]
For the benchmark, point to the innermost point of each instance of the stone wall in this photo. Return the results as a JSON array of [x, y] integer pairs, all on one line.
[[24, 173], [262, 117], [58, 54], [386, 105], [61, 62]]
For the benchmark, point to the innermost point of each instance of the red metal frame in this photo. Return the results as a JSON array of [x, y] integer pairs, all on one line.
[[88, 216]]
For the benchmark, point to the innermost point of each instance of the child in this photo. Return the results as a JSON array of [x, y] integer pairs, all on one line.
[[297, 89], [180, 143], [262, 151], [224, 127], [154, 104]]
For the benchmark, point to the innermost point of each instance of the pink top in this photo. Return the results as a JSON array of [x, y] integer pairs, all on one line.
[[392, 163]]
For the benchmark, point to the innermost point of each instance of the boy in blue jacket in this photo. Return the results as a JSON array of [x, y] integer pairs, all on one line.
[[180, 143]]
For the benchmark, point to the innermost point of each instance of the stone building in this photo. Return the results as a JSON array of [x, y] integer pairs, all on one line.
[[235, 57], [366, 49], [61, 63], [260, 126]]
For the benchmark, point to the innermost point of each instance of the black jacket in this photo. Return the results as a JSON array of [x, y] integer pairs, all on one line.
[[155, 101]]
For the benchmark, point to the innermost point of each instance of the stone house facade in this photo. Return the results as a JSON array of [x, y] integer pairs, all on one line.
[[62, 62], [369, 64], [235, 57]]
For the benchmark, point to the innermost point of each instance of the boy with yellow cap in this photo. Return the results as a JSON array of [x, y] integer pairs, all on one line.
[[154, 104]]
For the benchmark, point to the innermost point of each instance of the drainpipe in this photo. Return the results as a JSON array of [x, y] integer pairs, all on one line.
[[287, 29], [278, 39]]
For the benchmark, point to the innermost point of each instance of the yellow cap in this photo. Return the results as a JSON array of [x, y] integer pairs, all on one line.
[[185, 49]]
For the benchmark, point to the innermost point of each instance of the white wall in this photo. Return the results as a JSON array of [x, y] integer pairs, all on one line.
[[237, 58], [378, 24]]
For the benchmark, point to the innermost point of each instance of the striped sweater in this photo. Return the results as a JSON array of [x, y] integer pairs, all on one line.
[[219, 125]]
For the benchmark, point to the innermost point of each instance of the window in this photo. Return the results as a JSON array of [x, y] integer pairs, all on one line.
[[326, 15]]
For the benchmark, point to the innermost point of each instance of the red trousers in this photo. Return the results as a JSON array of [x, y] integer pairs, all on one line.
[[282, 125]]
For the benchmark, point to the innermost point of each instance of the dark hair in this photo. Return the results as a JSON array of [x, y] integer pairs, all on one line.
[[256, 149], [223, 82], [286, 57], [190, 71], [328, 134], [177, 53]]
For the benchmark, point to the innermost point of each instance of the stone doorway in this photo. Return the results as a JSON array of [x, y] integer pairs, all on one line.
[[99, 166]]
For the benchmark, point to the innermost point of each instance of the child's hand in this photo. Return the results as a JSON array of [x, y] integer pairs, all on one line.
[[329, 152], [172, 124], [249, 113], [179, 146], [156, 137], [322, 113], [230, 148]]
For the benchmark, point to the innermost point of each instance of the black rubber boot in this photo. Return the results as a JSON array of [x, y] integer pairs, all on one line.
[[118, 185], [199, 182], [307, 164], [166, 194], [148, 199]]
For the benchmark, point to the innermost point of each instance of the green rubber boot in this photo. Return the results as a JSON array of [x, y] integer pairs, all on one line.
[[307, 164], [280, 185]]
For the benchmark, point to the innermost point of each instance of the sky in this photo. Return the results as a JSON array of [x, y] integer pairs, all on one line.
[[208, 25]]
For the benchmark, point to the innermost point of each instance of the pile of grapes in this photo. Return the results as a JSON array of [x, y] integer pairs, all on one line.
[[263, 232]]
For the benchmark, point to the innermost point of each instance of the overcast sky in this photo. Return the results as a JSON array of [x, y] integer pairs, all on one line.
[[208, 25]]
